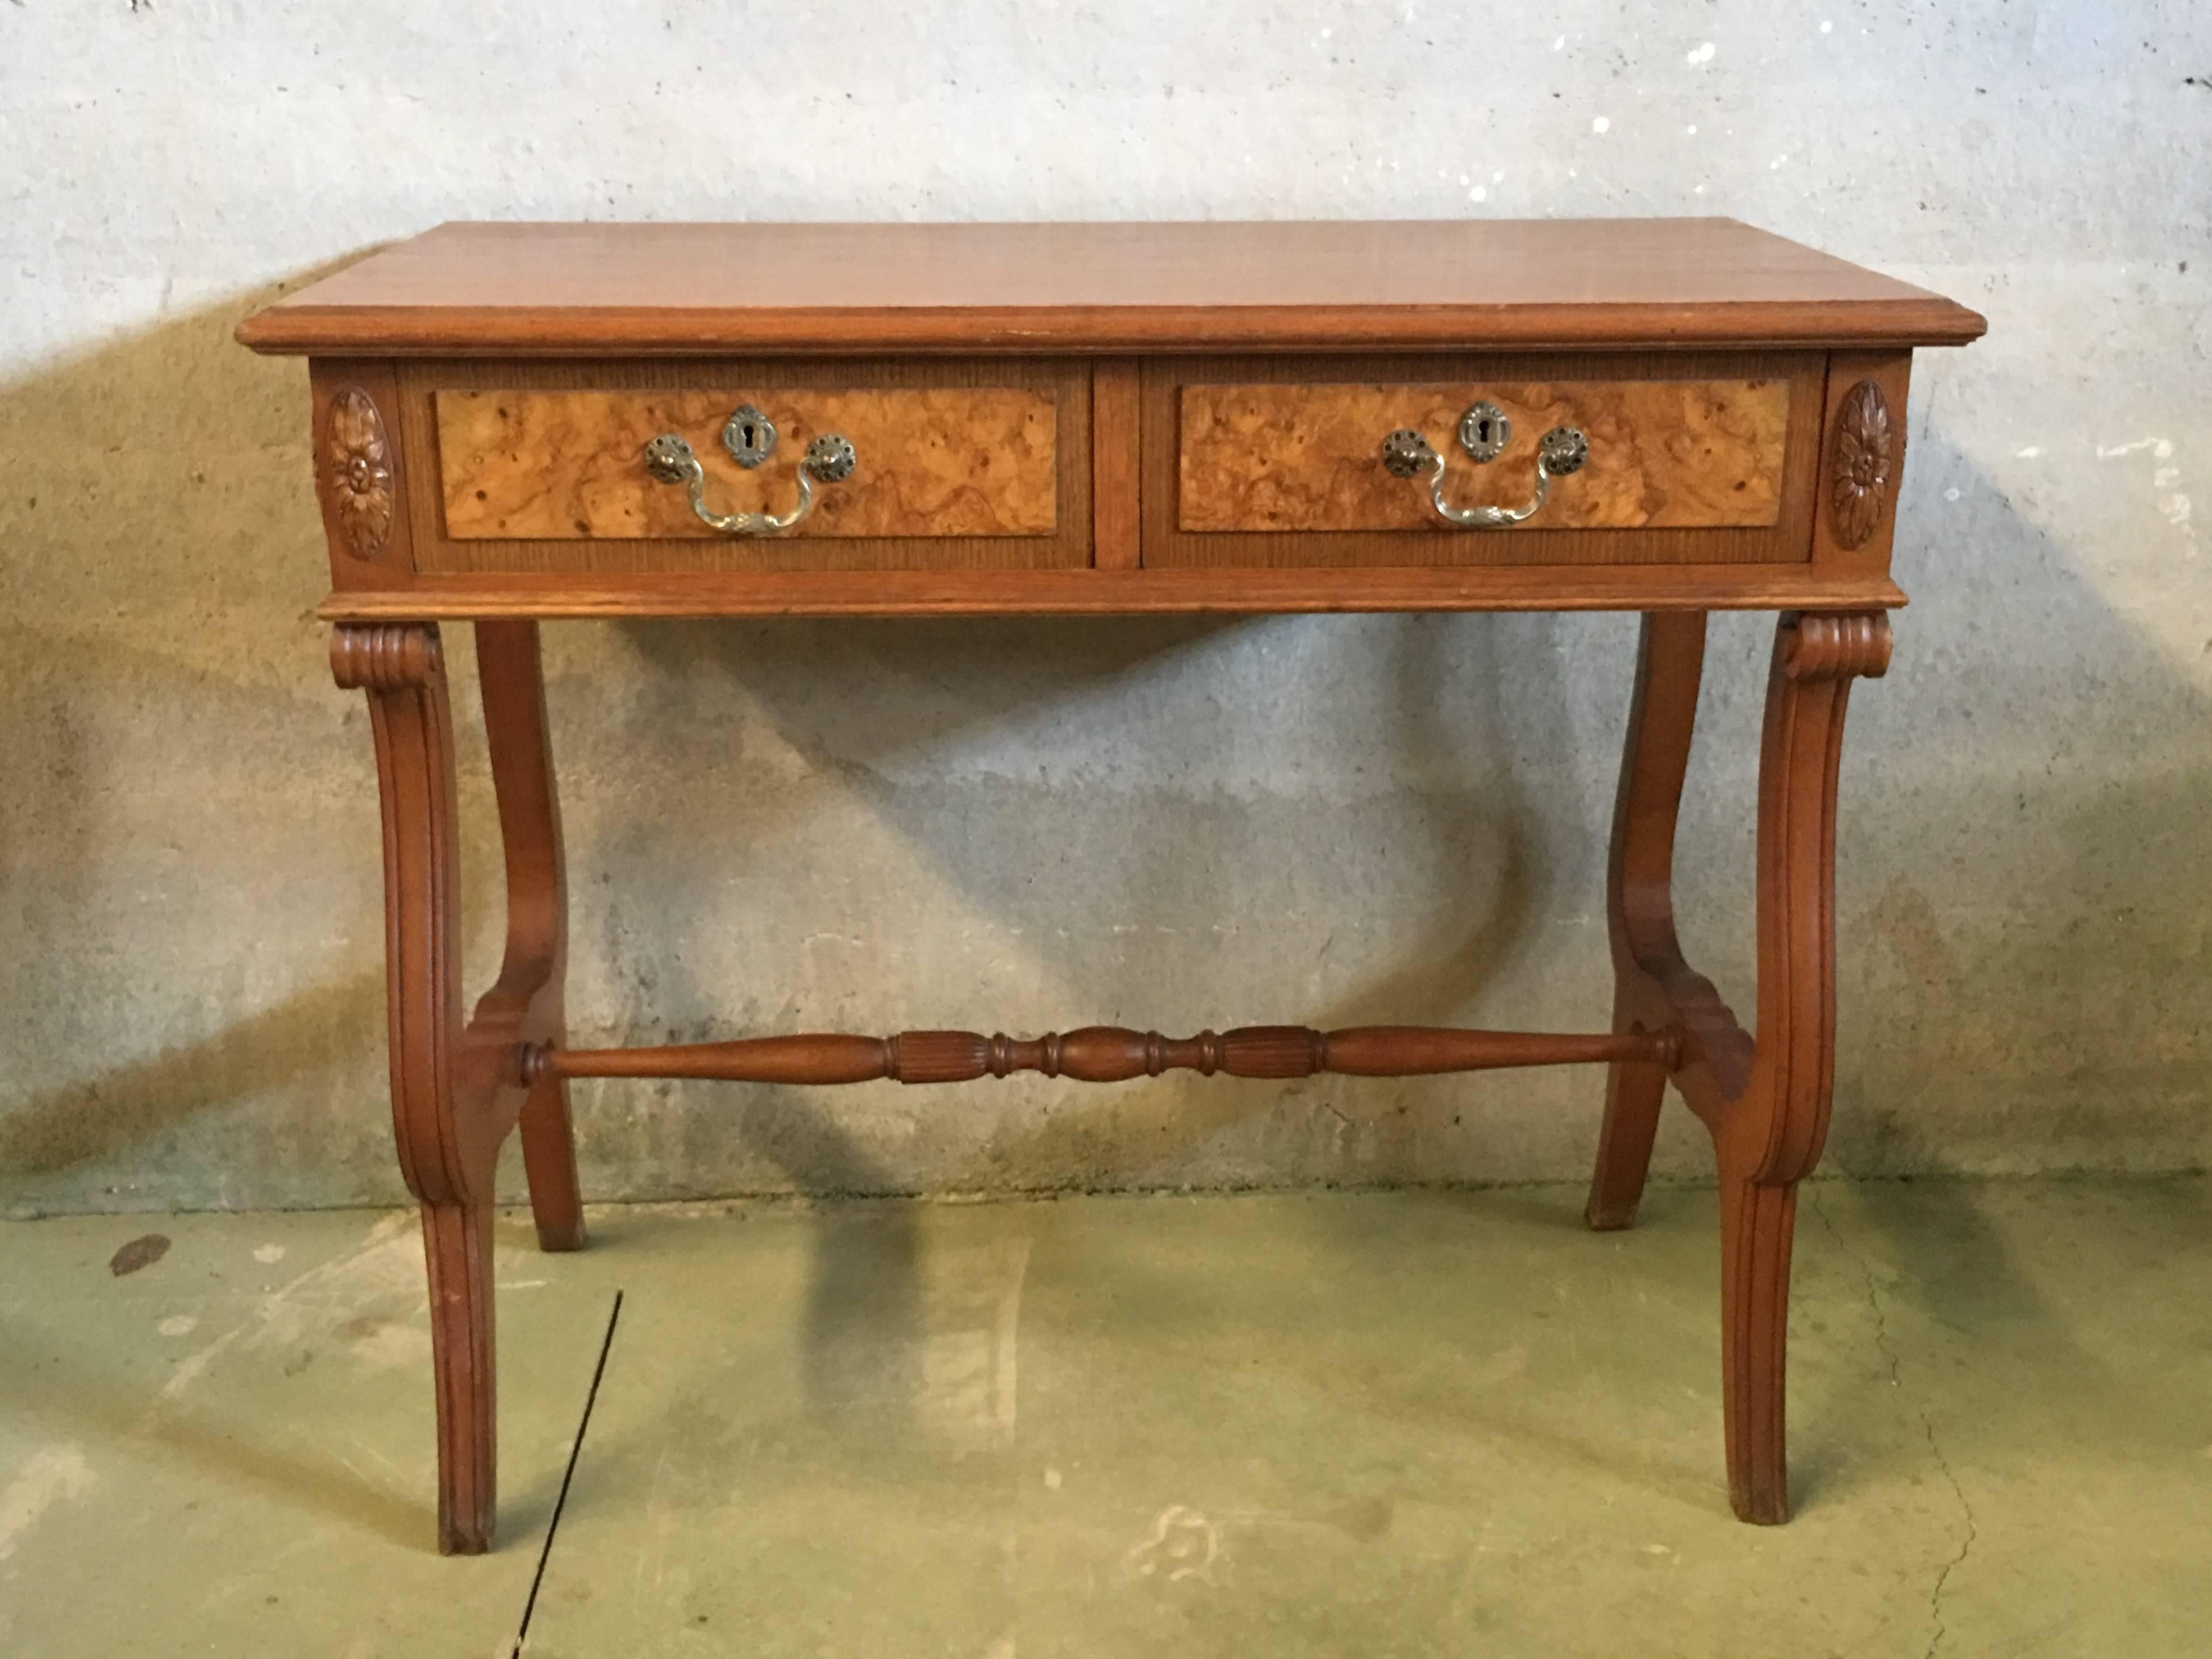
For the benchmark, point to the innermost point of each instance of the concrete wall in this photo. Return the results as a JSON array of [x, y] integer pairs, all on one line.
[[775, 827]]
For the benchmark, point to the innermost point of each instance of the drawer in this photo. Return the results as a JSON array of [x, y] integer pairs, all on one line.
[[1705, 459], [948, 465]]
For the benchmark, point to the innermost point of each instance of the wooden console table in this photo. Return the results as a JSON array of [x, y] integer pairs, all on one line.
[[517, 421]]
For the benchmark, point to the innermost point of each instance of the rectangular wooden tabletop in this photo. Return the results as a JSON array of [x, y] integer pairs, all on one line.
[[534, 289]]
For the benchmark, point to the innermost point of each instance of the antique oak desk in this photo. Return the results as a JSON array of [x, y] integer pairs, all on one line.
[[517, 421]]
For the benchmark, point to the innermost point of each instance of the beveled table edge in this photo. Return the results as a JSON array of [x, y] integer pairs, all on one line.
[[569, 332]]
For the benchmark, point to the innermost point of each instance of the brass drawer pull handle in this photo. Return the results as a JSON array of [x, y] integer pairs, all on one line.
[[1484, 431], [829, 459]]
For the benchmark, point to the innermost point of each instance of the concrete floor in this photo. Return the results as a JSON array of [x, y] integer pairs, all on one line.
[[1376, 1424]]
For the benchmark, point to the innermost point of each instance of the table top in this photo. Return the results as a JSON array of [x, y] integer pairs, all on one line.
[[478, 289]]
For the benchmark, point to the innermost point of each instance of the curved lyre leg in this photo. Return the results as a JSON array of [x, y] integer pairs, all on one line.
[[1769, 1137], [444, 1151], [1661, 717], [515, 731]]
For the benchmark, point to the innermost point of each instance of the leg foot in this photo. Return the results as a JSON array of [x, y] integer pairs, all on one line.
[[457, 1240], [1633, 1095], [548, 1159], [1757, 1223]]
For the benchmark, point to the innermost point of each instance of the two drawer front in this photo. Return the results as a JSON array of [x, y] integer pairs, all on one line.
[[641, 468], [1279, 462], [930, 466]]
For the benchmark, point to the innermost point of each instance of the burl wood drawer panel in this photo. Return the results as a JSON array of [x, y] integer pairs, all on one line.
[[1693, 459], [958, 465]]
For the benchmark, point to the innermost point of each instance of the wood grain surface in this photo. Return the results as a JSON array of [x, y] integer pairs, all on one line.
[[541, 465], [1198, 408], [1663, 454], [1059, 388], [1426, 285], [1413, 535], [1117, 466]]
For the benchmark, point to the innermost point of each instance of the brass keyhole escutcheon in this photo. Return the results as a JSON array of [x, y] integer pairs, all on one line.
[[748, 435], [1484, 430]]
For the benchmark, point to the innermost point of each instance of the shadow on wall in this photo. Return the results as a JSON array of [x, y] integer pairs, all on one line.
[[190, 1000], [1055, 867], [118, 1111], [2027, 879], [192, 997], [1010, 862]]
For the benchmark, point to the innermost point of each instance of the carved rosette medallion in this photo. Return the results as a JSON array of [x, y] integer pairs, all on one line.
[[357, 468], [1862, 464]]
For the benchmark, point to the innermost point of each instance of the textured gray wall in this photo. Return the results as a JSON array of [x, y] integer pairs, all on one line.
[[775, 827]]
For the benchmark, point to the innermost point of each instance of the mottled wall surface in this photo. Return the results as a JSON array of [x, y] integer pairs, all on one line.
[[775, 827]]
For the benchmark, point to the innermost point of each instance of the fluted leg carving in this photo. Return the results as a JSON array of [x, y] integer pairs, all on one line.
[[1757, 1225], [1781, 1122], [464, 1362], [447, 1143], [1769, 1136]]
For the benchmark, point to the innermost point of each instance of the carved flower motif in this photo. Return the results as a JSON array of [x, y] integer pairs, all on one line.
[[1862, 465], [359, 459]]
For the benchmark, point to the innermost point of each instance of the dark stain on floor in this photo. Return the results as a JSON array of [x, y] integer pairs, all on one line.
[[141, 1252]]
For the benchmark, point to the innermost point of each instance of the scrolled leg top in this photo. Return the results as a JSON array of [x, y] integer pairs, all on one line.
[[385, 656], [1832, 648]]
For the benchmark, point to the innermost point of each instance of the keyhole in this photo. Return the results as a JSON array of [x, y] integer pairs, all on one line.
[[1484, 431], [748, 435]]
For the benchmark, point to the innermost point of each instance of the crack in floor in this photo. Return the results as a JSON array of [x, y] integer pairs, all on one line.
[[1889, 1350], [1965, 1543]]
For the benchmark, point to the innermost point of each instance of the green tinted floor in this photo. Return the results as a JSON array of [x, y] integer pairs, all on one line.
[[1371, 1424]]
